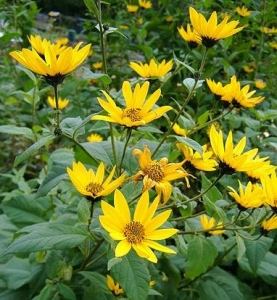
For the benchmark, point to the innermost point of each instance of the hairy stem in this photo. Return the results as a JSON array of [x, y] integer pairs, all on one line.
[[128, 136]]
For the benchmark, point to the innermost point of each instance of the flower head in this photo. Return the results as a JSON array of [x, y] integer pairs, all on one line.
[[234, 93], [231, 158], [268, 30], [249, 68], [52, 64], [62, 103], [273, 45], [62, 41], [138, 109], [209, 224], [243, 11], [145, 4], [210, 31], [203, 161], [251, 196], [97, 65], [190, 36], [158, 174], [269, 184], [270, 224], [153, 69], [179, 130], [92, 184], [132, 8], [140, 232], [113, 286], [94, 138], [260, 84], [265, 169]]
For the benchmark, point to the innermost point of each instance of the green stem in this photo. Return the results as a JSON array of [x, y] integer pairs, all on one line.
[[57, 107], [91, 216], [128, 136], [186, 101], [208, 188], [113, 143], [224, 114], [102, 39]]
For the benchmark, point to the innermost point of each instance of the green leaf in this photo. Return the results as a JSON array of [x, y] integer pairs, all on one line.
[[11, 129], [46, 236], [132, 274], [66, 292], [86, 74], [17, 272], [58, 161], [240, 247], [26, 210], [33, 149], [28, 73], [256, 251], [189, 83], [92, 7], [192, 70], [201, 255], [218, 284], [190, 143], [47, 293], [97, 288], [83, 211], [213, 194]]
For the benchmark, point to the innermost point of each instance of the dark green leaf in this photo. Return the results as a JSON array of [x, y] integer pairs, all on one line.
[[11, 129], [132, 274], [201, 255], [190, 143]]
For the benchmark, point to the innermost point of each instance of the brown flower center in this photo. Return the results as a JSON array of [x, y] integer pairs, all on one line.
[[133, 114], [134, 232], [155, 172], [94, 188]]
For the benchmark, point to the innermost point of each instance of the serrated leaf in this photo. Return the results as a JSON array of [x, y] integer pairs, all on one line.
[[92, 7], [256, 251], [11, 129], [201, 255], [47, 236], [83, 211], [86, 74], [33, 149], [66, 291], [189, 142], [132, 274], [240, 247], [113, 261], [213, 194]]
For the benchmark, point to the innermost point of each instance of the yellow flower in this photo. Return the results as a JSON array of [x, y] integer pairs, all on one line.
[[234, 93], [92, 184], [264, 169], [260, 84], [248, 68], [209, 223], [94, 138], [62, 41], [145, 4], [210, 31], [250, 197], [38, 43], [153, 69], [268, 30], [270, 224], [269, 184], [132, 8], [158, 174], [138, 110], [114, 287], [273, 45], [243, 11], [140, 232], [97, 65], [179, 130], [231, 158], [54, 66], [190, 36], [62, 103], [203, 162]]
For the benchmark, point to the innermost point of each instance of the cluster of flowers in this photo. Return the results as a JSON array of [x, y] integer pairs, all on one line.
[[132, 8], [141, 231]]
